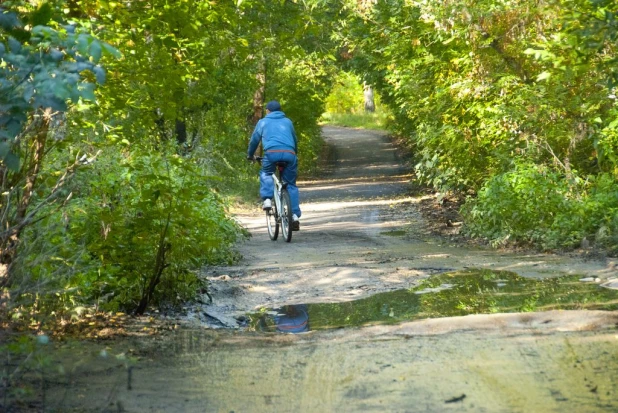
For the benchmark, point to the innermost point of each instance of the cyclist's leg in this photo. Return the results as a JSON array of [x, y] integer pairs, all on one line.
[[289, 175], [267, 185]]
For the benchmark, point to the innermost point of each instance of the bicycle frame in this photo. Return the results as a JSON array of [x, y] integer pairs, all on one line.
[[281, 212], [278, 187]]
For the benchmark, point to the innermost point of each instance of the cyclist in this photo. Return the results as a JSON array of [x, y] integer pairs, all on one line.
[[279, 142]]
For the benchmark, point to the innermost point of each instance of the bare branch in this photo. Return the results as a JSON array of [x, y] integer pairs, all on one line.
[[29, 218]]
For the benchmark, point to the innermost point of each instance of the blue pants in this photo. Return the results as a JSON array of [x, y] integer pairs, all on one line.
[[288, 175]]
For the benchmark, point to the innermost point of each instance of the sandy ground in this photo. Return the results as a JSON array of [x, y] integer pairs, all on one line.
[[350, 246]]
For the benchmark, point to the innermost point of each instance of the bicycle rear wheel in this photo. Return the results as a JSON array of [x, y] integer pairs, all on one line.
[[272, 223], [286, 216]]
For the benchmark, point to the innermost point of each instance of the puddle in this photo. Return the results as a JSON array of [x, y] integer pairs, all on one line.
[[445, 295]]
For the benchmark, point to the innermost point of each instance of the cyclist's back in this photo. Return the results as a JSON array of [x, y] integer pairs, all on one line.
[[278, 137], [276, 133]]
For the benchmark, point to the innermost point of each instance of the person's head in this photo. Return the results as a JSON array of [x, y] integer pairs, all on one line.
[[273, 106]]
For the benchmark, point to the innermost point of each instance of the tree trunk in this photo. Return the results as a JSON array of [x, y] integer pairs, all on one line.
[[370, 105], [159, 121], [259, 95], [181, 131], [160, 266], [12, 227], [34, 166]]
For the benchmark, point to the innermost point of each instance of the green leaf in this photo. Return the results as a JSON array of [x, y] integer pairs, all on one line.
[[61, 91], [42, 15], [87, 91], [14, 45], [82, 44], [4, 149], [99, 73], [543, 76], [11, 161], [95, 51], [111, 50]]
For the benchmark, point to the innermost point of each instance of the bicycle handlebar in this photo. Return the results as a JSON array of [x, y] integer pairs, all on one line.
[[257, 159]]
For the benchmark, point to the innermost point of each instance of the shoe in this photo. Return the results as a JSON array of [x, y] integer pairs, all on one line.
[[267, 204], [295, 223]]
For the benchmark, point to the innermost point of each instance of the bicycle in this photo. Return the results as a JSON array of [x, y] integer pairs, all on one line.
[[280, 214]]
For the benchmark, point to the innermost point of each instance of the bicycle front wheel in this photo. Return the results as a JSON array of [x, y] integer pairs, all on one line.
[[272, 222], [286, 216]]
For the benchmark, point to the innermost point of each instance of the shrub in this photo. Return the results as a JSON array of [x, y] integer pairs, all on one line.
[[534, 204]]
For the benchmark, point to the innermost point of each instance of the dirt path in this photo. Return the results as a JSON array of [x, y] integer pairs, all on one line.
[[351, 243], [350, 246]]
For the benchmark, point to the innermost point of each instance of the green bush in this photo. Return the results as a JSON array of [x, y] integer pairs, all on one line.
[[138, 216], [534, 204]]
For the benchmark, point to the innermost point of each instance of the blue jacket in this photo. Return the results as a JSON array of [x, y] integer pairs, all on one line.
[[276, 133]]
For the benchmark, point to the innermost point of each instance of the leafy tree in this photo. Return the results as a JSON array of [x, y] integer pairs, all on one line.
[[46, 69], [346, 96]]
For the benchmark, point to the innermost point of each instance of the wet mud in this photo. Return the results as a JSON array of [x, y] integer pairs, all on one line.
[[445, 295], [541, 362]]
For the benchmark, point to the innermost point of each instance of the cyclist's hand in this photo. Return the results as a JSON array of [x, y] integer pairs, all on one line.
[[254, 159]]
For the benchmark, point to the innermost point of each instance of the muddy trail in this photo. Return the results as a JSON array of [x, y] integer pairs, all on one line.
[[362, 233], [391, 318]]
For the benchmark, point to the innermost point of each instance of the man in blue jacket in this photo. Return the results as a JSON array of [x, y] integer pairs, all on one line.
[[279, 143]]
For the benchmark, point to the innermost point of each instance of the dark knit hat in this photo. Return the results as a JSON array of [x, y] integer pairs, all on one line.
[[273, 106]]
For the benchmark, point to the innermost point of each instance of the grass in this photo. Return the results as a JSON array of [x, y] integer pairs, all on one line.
[[377, 120]]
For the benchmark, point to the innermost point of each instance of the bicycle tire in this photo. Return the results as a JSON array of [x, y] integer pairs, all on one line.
[[272, 223], [286, 216]]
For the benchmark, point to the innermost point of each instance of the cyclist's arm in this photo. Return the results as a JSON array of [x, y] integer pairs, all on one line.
[[295, 139]]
